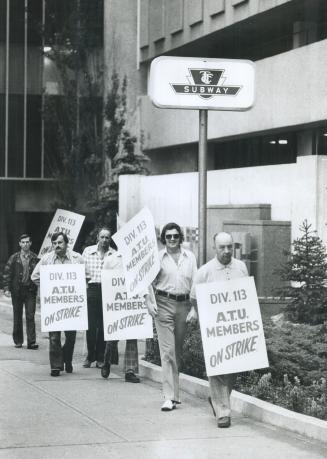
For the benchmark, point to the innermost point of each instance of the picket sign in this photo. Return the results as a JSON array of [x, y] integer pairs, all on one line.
[[123, 318], [64, 221], [63, 297], [231, 326], [137, 243]]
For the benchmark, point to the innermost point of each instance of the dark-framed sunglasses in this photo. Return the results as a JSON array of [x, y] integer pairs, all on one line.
[[171, 236]]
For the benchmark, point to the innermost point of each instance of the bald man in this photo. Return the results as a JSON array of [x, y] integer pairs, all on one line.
[[222, 267]]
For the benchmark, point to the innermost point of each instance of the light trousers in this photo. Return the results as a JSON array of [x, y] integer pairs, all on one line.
[[220, 388], [171, 328]]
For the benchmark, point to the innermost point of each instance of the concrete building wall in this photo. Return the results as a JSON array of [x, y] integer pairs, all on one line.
[[294, 191], [168, 24], [121, 52], [288, 94]]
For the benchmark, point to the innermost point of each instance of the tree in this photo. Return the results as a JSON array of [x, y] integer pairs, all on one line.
[[305, 274], [88, 135], [121, 154], [73, 118]]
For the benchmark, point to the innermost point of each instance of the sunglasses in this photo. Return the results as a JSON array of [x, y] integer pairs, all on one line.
[[171, 236]]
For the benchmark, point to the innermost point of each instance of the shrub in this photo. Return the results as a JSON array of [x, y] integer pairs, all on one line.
[[309, 400], [305, 276], [297, 350], [192, 357], [298, 366]]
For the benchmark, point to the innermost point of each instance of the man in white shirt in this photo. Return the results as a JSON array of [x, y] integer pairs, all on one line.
[[172, 288], [221, 268]]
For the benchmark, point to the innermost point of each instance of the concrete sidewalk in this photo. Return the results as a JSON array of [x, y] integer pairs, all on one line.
[[84, 416]]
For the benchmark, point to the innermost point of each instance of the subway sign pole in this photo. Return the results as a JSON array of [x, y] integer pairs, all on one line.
[[202, 84]]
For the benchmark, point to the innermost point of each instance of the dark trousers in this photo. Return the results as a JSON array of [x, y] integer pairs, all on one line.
[[94, 335], [131, 363], [22, 297], [58, 354]]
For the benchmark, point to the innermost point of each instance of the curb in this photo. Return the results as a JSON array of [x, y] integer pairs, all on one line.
[[313, 428]]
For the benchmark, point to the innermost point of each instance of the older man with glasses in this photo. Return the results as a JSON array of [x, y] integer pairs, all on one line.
[[172, 288]]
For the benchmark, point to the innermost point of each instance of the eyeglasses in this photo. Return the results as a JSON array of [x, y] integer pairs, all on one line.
[[171, 236]]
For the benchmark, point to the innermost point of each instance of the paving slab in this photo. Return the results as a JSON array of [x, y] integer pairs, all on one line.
[[82, 415]]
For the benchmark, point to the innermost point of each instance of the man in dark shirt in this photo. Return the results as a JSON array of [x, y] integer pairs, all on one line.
[[17, 282]]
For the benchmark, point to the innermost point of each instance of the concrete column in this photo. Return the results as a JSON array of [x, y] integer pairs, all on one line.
[[129, 196], [120, 47], [305, 143]]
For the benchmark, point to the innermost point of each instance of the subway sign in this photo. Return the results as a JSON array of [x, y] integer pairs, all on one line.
[[200, 83]]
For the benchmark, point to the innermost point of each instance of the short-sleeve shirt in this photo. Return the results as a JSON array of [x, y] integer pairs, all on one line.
[[214, 271], [176, 278], [94, 263]]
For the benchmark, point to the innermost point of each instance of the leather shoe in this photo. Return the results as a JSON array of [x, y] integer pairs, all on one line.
[[210, 403], [87, 363], [33, 346], [224, 421], [18, 345], [105, 371], [131, 377], [99, 364], [55, 373], [69, 367]]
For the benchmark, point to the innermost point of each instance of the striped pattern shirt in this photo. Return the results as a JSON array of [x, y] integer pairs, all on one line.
[[94, 263]]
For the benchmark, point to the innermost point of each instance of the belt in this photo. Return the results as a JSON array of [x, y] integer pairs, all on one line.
[[95, 284], [172, 296]]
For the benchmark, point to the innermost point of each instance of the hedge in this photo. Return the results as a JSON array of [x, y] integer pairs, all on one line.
[[296, 377]]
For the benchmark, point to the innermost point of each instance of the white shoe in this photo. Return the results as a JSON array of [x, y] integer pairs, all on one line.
[[168, 405]]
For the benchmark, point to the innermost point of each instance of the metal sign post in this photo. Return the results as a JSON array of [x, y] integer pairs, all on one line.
[[202, 194], [202, 84]]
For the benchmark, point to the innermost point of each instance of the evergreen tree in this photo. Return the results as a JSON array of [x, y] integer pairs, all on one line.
[[121, 154], [305, 273]]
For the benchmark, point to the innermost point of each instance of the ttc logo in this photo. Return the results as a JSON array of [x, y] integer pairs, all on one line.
[[206, 83]]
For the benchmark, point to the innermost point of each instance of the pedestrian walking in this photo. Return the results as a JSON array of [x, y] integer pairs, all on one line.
[[131, 362], [61, 357], [172, 287], [222, 267], [17, 283], [94, 256]]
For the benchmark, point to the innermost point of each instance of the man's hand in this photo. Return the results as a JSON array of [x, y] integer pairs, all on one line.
[[151, 305], [192, 316], [7, 293]]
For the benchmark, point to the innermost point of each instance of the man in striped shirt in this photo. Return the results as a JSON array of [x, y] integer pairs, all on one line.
[[94, 256]]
